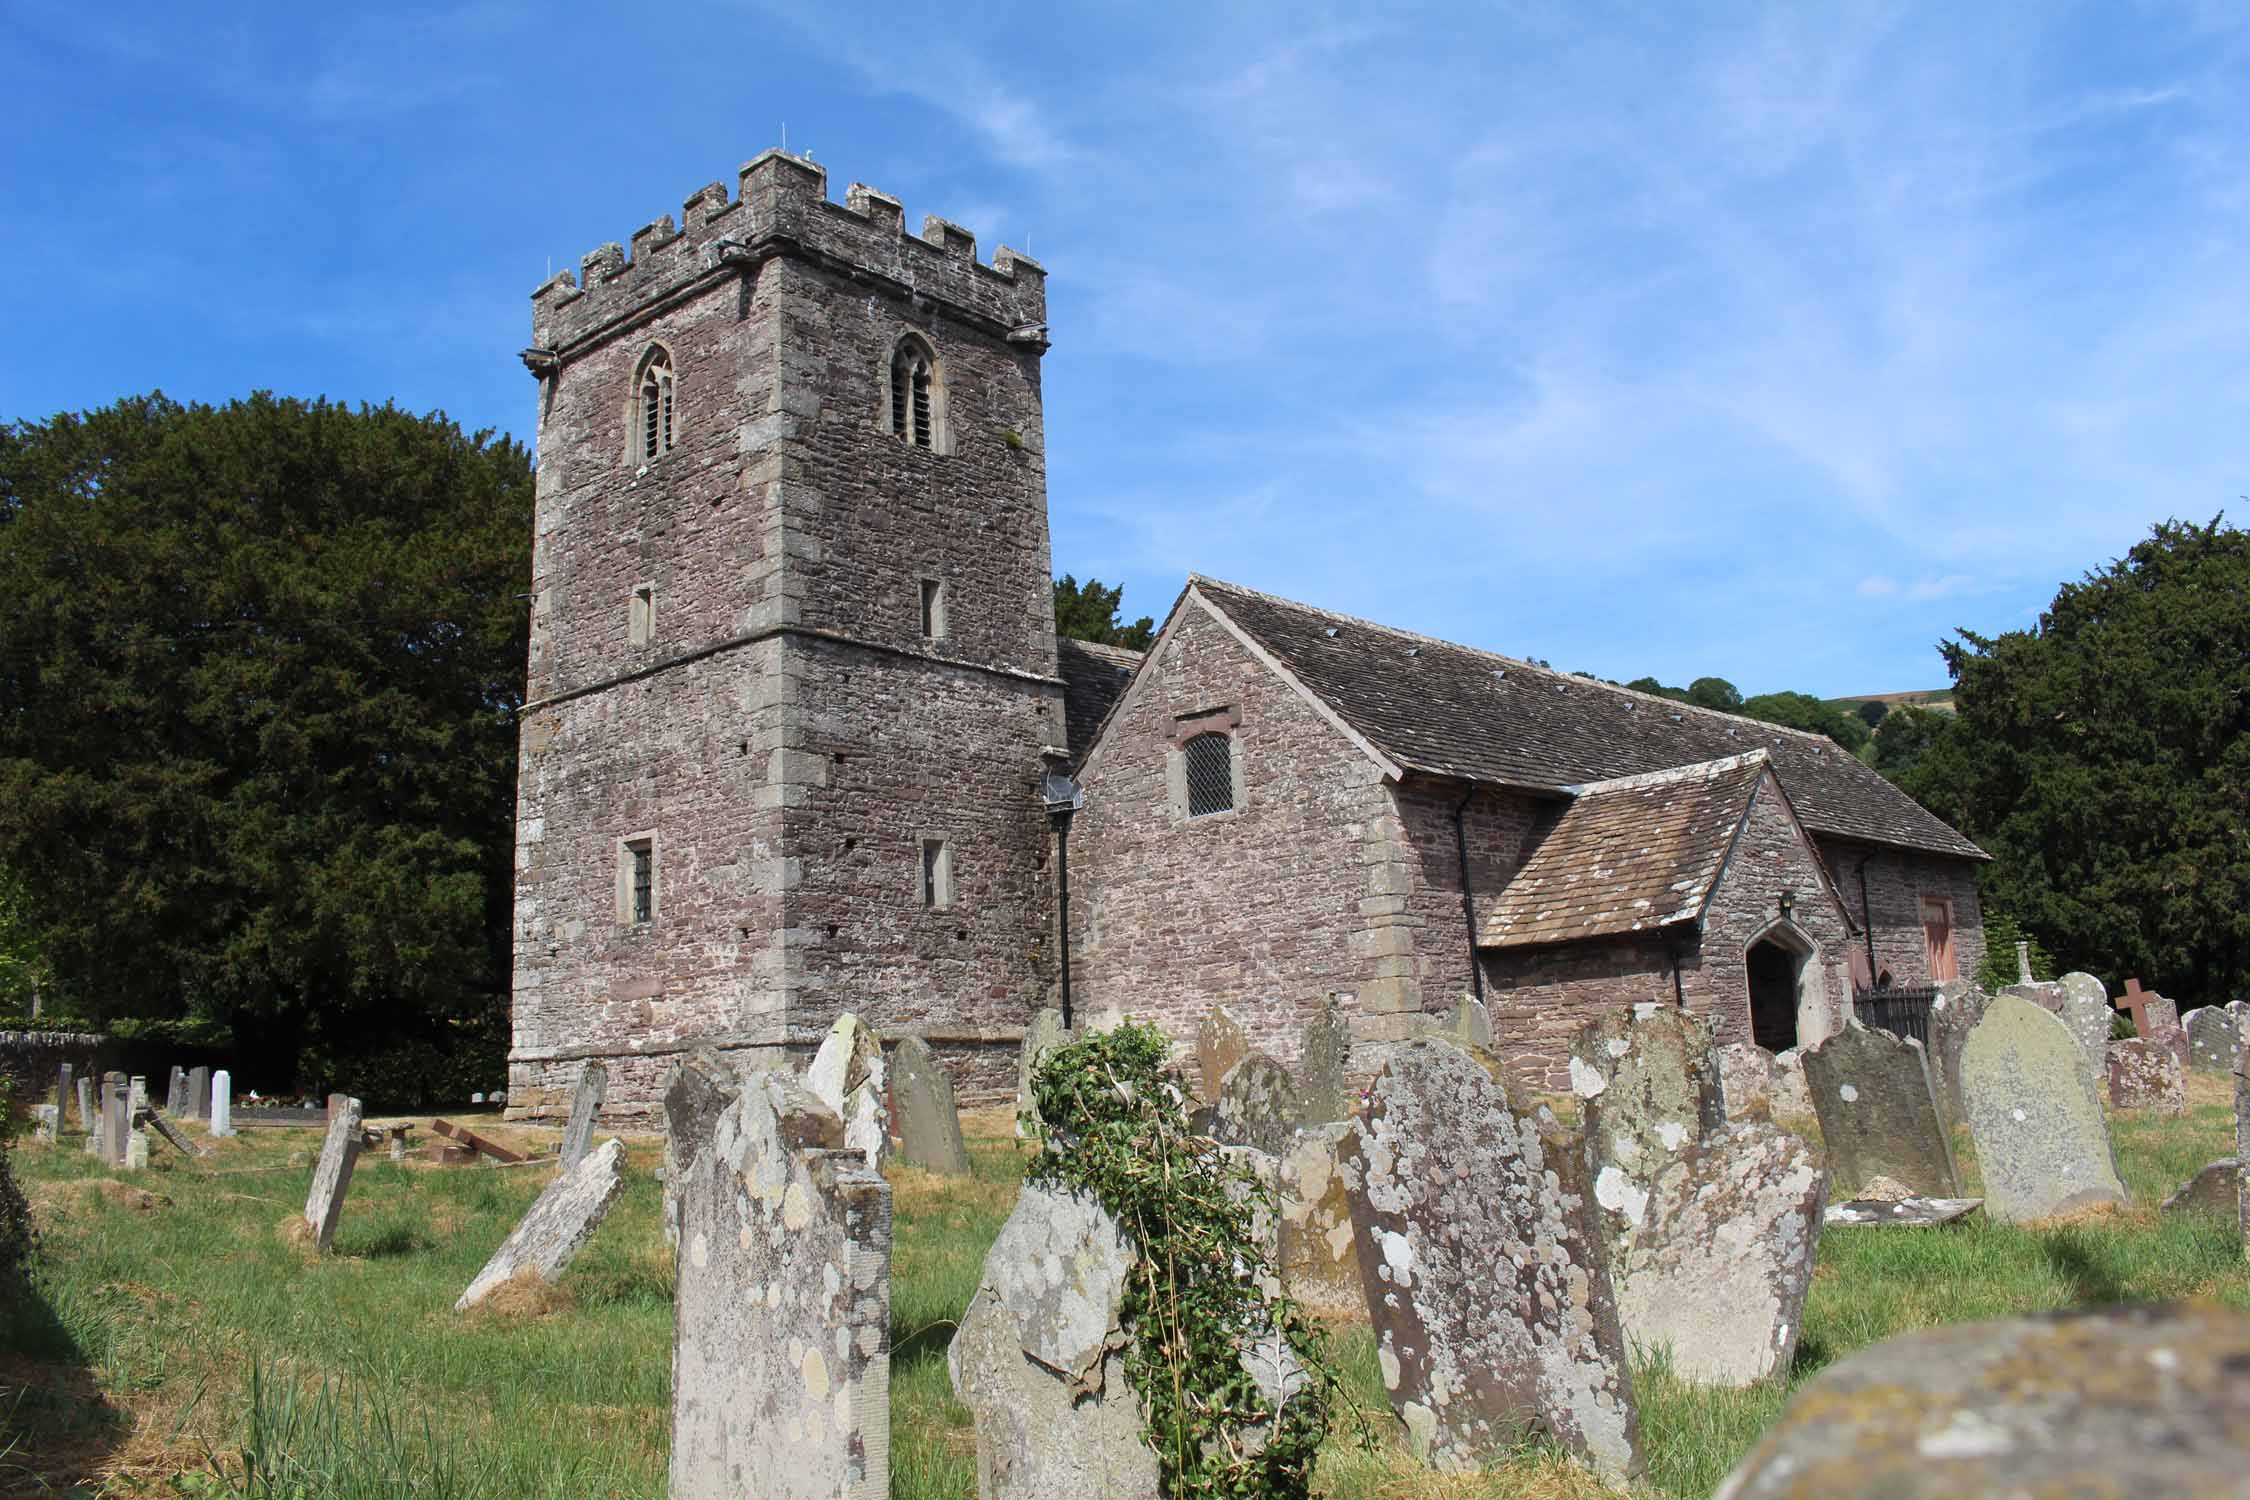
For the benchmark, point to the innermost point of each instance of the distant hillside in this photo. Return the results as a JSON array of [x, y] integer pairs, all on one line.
[[1940, 699]]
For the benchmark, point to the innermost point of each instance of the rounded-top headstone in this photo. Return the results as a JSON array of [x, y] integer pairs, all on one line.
[[2042, 1141]]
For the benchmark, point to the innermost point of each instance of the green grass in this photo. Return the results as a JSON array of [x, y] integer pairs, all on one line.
[[191, 1347]]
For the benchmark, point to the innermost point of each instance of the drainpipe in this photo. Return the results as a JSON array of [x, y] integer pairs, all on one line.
[[1468, 894], [1679, 990], [1867, 920]]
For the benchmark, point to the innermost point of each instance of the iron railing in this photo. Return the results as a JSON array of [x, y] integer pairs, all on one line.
[[1902, 1010]]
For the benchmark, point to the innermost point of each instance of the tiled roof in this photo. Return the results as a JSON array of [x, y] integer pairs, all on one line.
[[1093, 677], [1448, 710], [1630, 855]]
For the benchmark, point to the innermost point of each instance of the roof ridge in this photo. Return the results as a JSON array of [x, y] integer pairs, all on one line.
[[1822, 741], [1707, 769]]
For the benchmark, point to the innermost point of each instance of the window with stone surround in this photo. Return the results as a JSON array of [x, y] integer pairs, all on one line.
[[935, 878], [637, 886], [916, 398], [933, 609], [655, 405], [641, 626], [1208, 762]]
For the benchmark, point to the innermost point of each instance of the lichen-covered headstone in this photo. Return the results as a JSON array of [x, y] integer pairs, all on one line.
[[1318, 1253], [1879, 1114], [1471, 1023], [2139, 1400], [2082, 1015], [929, 1123], [1648, 1088], [2214, 1037], [1954, 1013], [1324, 1092], [849, 1076], [1745, 1080], [1487, 1281], [222, 1103], [1792, 1096], [782, 1294], [2042, 1142], [1257, 1106], [2242, 1146], [332, 1175], [585, 1109], [1220, 1043], [557, 1225], [1044, 1035], [1724, 1257], [2217, 1189], [2144, 1073]]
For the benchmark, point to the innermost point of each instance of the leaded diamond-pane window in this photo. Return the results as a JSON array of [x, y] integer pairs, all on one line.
[[1210, 774]]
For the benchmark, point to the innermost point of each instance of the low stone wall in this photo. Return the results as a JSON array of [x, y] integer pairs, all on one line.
[[30, 1059]]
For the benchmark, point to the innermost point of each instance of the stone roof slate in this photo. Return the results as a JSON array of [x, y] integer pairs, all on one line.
[[1631, 855], [1093, 679], [1448, 710]]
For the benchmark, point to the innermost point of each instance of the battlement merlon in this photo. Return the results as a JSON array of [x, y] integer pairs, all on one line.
[[784, 210]]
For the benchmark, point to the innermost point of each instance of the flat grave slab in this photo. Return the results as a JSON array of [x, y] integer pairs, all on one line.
[[1905, 1213]]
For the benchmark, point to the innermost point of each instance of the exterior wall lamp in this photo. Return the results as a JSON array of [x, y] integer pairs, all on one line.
[[1063, 798]]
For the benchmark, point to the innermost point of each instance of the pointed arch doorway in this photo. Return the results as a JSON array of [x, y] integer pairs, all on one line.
[[1777, 967]]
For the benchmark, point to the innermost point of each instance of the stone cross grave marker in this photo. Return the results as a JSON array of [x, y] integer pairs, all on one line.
[[1447, 1184], [2135, 1003], [2145, 1073], [1219, 1045], [222, 1103], [1879, 1115], [929, 1123], [848, 1074], [585, 1106], [782, 1294], [175, 1094], [2041, 1138], [557, 1225], [199, 1093], [1323, 1087], [1648, 1088], [1257, 1106], [332, 1175]]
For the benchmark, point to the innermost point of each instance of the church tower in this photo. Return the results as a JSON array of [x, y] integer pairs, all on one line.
[[792, 645]]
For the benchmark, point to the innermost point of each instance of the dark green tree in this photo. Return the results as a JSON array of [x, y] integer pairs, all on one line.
[[1804, 711], [1657, 689], [1904, 736], [1088, 612], [2103, 759], [1715, 692], [1871, 713], [258, 685]]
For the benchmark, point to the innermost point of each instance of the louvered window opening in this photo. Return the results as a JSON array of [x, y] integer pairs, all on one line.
[[656, 408], [1210, 774], [644, 882], [910, 397]]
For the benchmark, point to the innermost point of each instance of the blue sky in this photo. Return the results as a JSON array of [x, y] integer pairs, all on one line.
[[1765, 342]]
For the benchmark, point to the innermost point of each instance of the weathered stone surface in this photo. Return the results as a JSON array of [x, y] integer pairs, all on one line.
[[1219, 1044], [2242, 1152], [1042, 1036], [1954, 1013], [557, 1225], [1648, 1088], [1484, 1266], [137, 1097], [1792, 1096], [46, 1123], [1318, 1252], [1324, 1085], [2139, 1400], [332, 1175], [136, 1151], [585, 1108], [1470, 1024], [222, 1103], [63, 1076], [781, 1328], [2214, 1037], [1745, 1080], [2173, 1039], [929, 1123], [1899, 1213], [2145, 1073], [175, 1094], [849, 1076], [1039, 1361], [2217, 1189], [2084, 1013], [199, 1093], [2042, 1142], [117, 1117], [85, 1089], [1257, 1106], [1879, 1115], [1720, 1266]]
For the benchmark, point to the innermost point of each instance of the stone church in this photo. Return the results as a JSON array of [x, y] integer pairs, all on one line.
[[794, 691]]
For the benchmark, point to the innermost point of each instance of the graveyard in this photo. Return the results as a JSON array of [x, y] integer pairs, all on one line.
[[190, 1336]]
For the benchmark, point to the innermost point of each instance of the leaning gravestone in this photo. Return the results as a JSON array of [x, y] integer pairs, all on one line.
[[1257, 1106], [1219, 1045], [1648, 1088], [781, 1352], [1954, 1013], [557, 1226], [199, 1093], [1447, 1184], [2217, 1189], [2042, 1142], [1323, 1089], [332, 1175], [222, 1103], [2139, 1400], [1044, 1035], [585, 1109], [848, 1075], [2144, 1073], [1879, 1115], [2214, 1034], [929, 1123], [1719, 1270], [1745, 1080]]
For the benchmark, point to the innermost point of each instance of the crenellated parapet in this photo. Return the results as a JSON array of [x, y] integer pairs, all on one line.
[[784, 210]]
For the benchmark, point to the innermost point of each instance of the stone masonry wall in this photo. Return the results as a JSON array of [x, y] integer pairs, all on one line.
[[1498, 827], [1772, 855], [1897, 879], [1539, 997]]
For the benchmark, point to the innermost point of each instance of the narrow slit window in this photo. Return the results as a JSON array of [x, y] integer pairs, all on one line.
[[937, 874], [637, 881], [933, 609], [1210, 774], [656, 398], [642, 627]]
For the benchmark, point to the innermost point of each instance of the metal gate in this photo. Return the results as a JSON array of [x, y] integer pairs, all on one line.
[[1902, 1010]]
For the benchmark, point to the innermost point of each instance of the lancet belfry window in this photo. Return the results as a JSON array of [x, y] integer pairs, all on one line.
[[912, 395], [655, 402], [1210, 774]]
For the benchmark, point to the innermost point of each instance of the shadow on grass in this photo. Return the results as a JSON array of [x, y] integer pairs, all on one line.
[[914, 1346], [58, 1427], [386, 1241], [2071, 1255]]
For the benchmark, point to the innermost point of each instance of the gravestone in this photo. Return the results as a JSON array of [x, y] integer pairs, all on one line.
[[781, 1352], [1954, 1013], [63, 1078], [136, 1151], [1792, 1097], [1879, 1115], [2144, 1073], [557, 1225], [585, 1108], [332, 1174], [1317, 1252], [1745, 1080], [1219, 1045], [2139, 1400], [1720, 1267], [2148, 1009], [2023, 962], [222, 1103], [137, 1099], [175, 1094], [1901, 1213], [46, 1123], [1324, 1091], [2042, 1142], [117, 1099], [2214, 1037], [2082, 990], [1257, 1106], [2242, 1150], [1648, 1088], [848, 1075], [929, 1123], [1470, 1024], [2217, 1189], [85, 1088], [2087, 1023], [199, 1093], [1042, 1036], [1447, 1186]]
